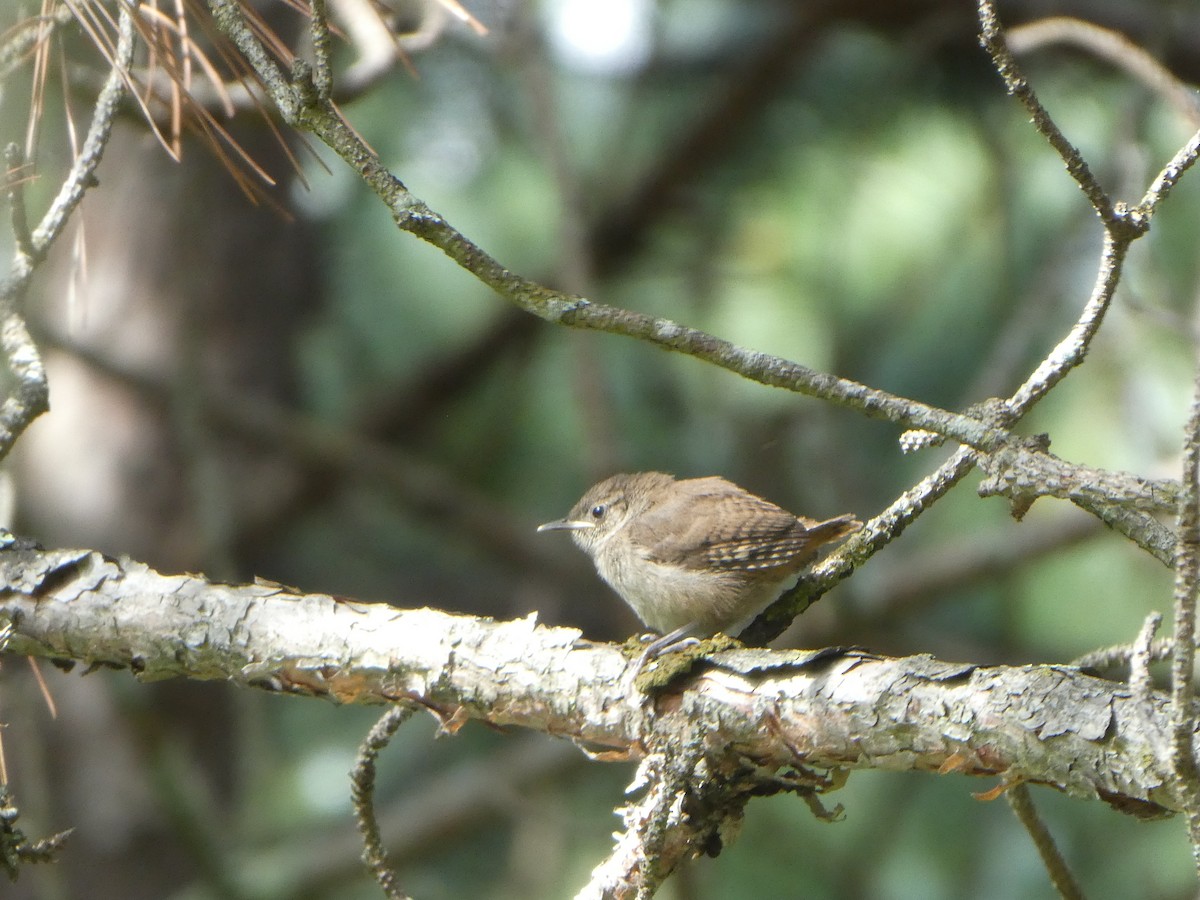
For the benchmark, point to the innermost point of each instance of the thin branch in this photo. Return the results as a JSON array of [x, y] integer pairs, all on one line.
[[28, 34], [412, 215], [96, 21], [1024, 472], [14, 175], [995, 43], [1187, 586], [1114, 47], [473, 796], [231, 20], [1140, 657], [1141, 528], [1169, 176], [1056, 867], [1124, 224], [1124, 501], [83, 172], [322, 67], [30, 397], [1073, 348], [662, 827], [1123, 654], [362, 781], [875, 534]]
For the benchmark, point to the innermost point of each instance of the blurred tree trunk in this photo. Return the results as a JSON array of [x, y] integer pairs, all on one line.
[[191, 285]]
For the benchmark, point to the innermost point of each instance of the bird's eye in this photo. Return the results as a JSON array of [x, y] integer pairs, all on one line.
[[598, 512]]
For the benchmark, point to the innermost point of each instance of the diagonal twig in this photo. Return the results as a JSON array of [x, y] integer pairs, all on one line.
[[1060, 875]]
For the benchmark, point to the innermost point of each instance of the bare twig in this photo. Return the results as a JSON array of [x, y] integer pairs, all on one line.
[[362, 781], [877, 533], [995, 43], [1122, 654], [1023, 472], [30, 398], [414, 216], [1144, 530], [1072, 349], [1166, 180], [479, 794], [1140, 657], [14, 174], [231, 19], [1060, 875], [1122, 500], [1114, 47], [1122, 223], [1187, 586], [659, 826], [83, 171], [27, 34], [322, 67]]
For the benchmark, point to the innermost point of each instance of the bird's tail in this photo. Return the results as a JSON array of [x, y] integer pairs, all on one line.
[[832, 529]]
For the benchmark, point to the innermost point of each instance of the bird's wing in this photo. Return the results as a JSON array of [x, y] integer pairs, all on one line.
[[714, 524]]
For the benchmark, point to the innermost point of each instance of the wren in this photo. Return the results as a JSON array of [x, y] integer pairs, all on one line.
[[696, 556]]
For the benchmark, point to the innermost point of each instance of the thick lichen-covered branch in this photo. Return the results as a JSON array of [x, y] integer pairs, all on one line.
[[1043, 724]]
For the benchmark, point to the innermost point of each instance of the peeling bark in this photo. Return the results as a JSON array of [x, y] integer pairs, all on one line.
[[755, 710]]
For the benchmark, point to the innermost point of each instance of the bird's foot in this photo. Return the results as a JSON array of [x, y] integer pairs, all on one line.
[[674, 655]]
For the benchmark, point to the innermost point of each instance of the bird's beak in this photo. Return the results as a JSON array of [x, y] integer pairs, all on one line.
[[567, 525]]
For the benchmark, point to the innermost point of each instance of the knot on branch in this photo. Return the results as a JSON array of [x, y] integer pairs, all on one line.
[[1128, 223], [1015, 470], [994, 413], [304, 89]]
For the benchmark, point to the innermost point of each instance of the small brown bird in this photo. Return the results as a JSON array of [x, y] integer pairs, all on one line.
[[696, 556]]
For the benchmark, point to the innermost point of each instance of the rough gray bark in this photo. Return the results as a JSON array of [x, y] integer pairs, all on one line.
[[753, 712]]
